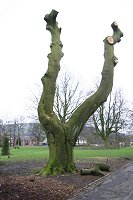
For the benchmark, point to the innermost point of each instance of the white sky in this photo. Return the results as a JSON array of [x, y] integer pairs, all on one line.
[[24, 45]]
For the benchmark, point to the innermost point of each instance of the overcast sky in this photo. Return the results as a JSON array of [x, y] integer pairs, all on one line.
[[24, 45]]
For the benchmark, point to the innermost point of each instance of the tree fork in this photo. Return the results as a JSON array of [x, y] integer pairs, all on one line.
[[62, 138]]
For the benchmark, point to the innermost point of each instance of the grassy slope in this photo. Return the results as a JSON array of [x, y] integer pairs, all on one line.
[[30, 153]]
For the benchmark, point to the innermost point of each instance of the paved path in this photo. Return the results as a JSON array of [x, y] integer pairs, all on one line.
[[118, 186]]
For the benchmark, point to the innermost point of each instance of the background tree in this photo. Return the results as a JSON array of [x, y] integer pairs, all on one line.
[[110, 117], [15, 130], [62, 138], [1, 131], [37, 132], [33, 103], [130, 119], [67, 97]]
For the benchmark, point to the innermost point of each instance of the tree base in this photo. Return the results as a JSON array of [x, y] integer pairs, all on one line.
[[54, 170]]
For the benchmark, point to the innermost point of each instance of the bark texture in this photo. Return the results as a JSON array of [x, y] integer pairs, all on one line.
[[62, 137]]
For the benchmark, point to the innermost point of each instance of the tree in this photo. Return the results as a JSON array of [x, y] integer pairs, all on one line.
[[37, 132], [15, 130], [1, 131], [62, 137], [110, 117], [5, 147], [67, 97], [34, 100]]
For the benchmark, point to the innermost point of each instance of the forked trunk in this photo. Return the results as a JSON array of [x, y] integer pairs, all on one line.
[[62, 138]]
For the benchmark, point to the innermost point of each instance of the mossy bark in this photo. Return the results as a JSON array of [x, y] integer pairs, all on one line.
[[60, 154], [62, 138]]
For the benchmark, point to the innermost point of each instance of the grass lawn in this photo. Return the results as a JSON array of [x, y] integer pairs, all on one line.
[[81, 153], [36, 153], [26, 153]]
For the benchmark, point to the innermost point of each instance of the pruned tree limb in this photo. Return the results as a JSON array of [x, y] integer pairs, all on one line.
[[45, 106], [86, 109]]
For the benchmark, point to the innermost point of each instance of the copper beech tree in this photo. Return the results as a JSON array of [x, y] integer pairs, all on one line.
[[62, 137]]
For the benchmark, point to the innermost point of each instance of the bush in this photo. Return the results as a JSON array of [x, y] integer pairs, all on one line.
[[5, 147]]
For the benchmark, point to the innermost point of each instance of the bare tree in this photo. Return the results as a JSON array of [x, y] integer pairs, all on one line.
[[67, 97], [33, 103], [1, 131], [62, 138], [15, 130], [110, 117], [37, 132]]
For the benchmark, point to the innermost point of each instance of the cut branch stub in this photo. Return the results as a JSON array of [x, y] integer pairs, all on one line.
[[51, 19], [114, 26], [110, 40], [117, 34], [115, 61]]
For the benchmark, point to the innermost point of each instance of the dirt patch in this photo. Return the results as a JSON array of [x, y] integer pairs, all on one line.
[[17, 181]]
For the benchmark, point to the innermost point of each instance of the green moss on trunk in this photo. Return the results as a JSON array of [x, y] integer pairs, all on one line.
[[61, 139], [60, 155]]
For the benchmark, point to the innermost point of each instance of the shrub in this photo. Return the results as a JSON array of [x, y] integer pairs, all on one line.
[[5, 146]]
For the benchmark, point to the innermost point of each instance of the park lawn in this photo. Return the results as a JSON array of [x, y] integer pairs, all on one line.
[[39, 153], [105, 153], [26, 153]]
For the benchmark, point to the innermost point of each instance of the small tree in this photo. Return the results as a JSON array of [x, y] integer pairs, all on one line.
[[110, 117], [5, 147]]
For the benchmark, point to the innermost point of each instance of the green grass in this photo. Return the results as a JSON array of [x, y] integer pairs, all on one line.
[[39, 153], [26, 153], [87, 153]]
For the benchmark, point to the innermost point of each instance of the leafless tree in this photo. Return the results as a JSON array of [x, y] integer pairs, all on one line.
[[15, 130], [111, 116], [37, 132], [1, 130], [68, 97]]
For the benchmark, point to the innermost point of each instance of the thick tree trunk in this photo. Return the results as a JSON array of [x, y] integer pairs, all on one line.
[[106, 141], [60, 155], [62, 138]]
